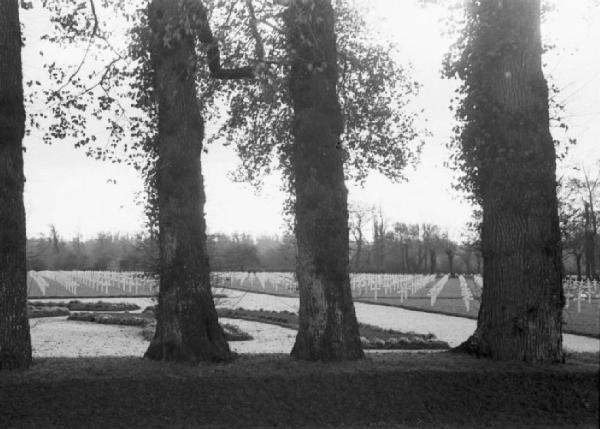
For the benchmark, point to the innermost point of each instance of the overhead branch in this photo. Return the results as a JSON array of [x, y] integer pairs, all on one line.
[[87, 50], [213, 55], [259, 48]]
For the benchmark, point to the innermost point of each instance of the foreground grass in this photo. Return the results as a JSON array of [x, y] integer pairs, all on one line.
[[390, 390]]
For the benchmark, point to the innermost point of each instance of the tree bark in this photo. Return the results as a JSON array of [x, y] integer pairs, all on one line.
[[187, 324], [15, 340], [520, 317], [328, 326]]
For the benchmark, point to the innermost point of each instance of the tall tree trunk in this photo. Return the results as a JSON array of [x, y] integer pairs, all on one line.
[[187, 326], [578, 257], [328, 326], [520, 317], [15, 340]]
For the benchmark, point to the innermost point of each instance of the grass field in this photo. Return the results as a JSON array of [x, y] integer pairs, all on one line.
[[433, 390]]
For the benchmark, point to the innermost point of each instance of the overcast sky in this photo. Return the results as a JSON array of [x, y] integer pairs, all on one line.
[[78, 194]]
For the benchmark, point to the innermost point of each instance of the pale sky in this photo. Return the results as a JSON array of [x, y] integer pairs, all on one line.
[[77, 195]]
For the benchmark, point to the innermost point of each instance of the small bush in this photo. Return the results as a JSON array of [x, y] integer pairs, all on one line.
[[126, 319], [232, 332], [35, 312], [77, 305], [101, 306]]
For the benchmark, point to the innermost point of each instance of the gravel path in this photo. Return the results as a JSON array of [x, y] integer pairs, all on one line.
[[453, 330], [57, 337]]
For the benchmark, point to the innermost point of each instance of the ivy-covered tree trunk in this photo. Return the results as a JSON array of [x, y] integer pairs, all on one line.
[[328, 326], [187, 326], [15, 340], [521, 310]]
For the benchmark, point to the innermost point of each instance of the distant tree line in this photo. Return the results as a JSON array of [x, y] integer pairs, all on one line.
[[375, 246], [579, 216], [400, 248]]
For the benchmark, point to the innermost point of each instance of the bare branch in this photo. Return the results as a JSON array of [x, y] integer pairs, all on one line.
[[213, 54], [87, 49], [259, 48]]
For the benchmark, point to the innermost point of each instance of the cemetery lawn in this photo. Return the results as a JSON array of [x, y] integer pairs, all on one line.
[[387, 390]]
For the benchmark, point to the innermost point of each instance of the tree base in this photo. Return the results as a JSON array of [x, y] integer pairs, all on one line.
[[324, 352], [160, 350], [11, 362], [470, 347], [473, 346]]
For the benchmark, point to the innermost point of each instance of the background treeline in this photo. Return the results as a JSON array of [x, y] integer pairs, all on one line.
[[374, 247], [410, 248], [579, 210]]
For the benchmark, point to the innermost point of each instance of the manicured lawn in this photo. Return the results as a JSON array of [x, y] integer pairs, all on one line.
[[390, 390]]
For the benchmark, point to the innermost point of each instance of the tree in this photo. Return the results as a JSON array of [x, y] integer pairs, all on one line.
[[508, 156], [164, 132], [328, 326], [431, 239], [358, 217], [374, 91], [584, 195], [374, 88], [471, 243], [450, 251], [187, 326], [379, 249], [15, 340], [572, 222], [467, 254]]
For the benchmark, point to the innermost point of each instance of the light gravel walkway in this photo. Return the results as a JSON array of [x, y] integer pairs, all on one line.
[[451, 329], [57, 337]]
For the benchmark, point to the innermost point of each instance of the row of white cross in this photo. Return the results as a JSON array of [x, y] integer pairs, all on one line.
[[34, 277], [581, 290], [280, 281], [100, 281], [575, 290], [362, 284], [465, 292], [437, 288], [389, 284]]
